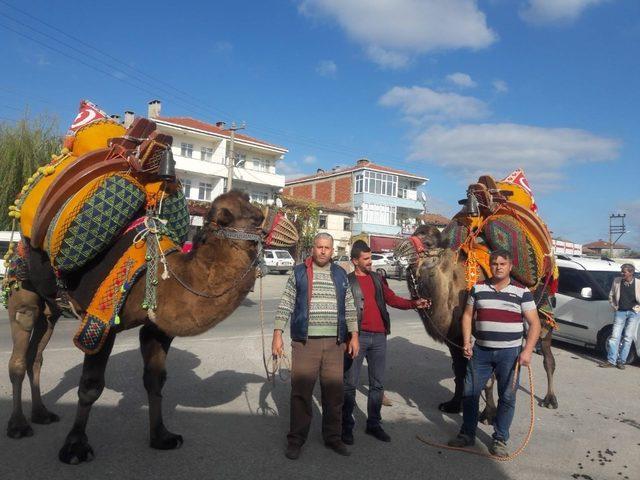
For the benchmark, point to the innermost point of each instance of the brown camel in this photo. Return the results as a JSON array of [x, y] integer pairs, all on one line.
[[441, 277], [206, 285]]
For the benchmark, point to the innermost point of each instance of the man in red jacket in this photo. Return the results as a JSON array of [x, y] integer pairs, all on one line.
[[371, 295]]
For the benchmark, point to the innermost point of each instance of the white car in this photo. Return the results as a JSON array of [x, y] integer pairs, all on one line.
[[279, 261], [582, 307], [386, 265]]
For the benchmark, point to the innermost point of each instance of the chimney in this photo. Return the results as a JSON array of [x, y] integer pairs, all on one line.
[[154, 108], [128, 118], [363, 162], [115, 118], [337, 167], [220, 125], [319, 171]]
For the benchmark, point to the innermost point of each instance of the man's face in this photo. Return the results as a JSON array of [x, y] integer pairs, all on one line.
[[363, 262], [500, 268], [627, 274], [322, 251]]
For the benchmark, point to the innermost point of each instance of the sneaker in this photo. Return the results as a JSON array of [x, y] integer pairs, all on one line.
[[338, 447], [347, 437], [606, 365], [462, 440], [292, 452], [378, 433], [620, 366], [498, 448]]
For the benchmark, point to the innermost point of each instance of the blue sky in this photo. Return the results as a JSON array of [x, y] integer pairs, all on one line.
[[448, 89]]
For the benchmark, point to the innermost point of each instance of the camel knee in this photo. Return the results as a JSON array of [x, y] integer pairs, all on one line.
[[25, 319], [17, 368], [90, 390]]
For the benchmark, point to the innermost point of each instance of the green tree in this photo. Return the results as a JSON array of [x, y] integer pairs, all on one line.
[[24, 146]]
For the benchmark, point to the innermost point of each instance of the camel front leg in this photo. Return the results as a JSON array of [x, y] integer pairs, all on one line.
[[549, 361], [24, 311], [154, 345], [459, 366], [76, 448], [490, 409], [39, 340]]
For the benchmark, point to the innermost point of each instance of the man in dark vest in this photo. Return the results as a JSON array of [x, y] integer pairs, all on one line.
[[371, 295], [318, 303]]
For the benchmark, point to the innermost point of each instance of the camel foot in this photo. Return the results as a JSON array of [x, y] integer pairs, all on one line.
[[42, 416], [18, 427], [550, 401], [452, 406], [76, 449], [165, 440], [487, 416]]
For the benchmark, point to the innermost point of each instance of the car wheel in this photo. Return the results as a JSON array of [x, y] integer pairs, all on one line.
[[603, 336], [381, 272], [633, 354], [282, 272]]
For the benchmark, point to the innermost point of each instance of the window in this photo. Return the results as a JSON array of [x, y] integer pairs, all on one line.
[[259, 197], [186, 187], [376, 182], [322, 221], [186, 149], [206, 154], [259, 164], [377, 214], [571, 282], [346, 224], [268, 254], [204, 191]]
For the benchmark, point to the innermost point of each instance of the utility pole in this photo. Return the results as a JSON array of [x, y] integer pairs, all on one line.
[[616, 227], [231, 160]]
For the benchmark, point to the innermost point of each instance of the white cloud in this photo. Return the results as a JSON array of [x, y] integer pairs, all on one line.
[[290, 169], [462, 80], [309, 160], [393, 30], [555, 11], [499, 148], [500, 86], [422, 103], [327, 68]]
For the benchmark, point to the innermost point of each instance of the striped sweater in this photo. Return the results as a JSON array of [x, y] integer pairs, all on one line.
[[499, 314], [323, 309]]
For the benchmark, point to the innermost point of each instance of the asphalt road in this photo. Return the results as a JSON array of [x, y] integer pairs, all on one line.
[[234, 424]]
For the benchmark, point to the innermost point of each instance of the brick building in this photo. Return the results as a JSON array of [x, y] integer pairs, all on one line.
[[384, 200]]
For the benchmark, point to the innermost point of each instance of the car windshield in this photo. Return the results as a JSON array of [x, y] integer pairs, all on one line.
[[283, 255]]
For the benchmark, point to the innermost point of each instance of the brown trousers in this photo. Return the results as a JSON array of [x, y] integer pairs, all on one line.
[[316, 357]]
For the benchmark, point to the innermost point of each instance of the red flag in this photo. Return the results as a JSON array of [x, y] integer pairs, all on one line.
[[88, 112], [517, 178]]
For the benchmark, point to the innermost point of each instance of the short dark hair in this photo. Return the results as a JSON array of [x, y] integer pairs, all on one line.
[[358, 247], [629, 267], [501, 252]]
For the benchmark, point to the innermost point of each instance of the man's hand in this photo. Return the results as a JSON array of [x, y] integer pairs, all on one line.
[[423, 303], [525, 358], [467, 350], [277, 345], [353, 346]]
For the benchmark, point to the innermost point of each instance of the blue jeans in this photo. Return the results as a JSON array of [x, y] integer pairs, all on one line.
[[626, 320], [485, 362], [373, 347]]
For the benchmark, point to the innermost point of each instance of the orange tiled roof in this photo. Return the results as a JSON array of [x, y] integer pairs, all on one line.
[[207, 127], [602, 244], [370, 166]]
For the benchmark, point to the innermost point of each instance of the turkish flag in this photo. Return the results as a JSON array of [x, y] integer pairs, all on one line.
[[88, 112], [517, 177]]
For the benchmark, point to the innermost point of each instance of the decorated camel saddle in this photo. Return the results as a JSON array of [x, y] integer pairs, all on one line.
[[106, 181], [503, 215]]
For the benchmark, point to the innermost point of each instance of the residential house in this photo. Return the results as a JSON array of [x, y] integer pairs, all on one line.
[[385, 200], [601, 247], [202, 152]]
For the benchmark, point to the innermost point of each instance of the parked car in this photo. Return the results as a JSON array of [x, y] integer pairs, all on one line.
[[344, 261], [385, 264], [279, 261], [582, 307]]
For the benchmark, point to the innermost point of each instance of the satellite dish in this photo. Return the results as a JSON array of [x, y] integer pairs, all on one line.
[[423, 197], [279, 202]]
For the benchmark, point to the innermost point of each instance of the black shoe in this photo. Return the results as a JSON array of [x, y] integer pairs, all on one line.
[[292, 452], [379, 433], [347, 437], [606, 365], [338, 447], [450, 407], [620, 366]]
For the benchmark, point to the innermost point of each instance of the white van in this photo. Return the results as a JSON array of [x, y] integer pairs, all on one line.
[[5, 236], [582, 307], [278, 261]]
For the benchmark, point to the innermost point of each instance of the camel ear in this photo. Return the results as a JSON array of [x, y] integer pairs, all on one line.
[[221, 216]]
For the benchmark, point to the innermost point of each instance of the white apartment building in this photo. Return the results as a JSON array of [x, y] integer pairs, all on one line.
[[202, 152]]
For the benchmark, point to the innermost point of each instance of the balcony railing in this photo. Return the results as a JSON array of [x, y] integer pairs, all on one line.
[[408, 194]]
